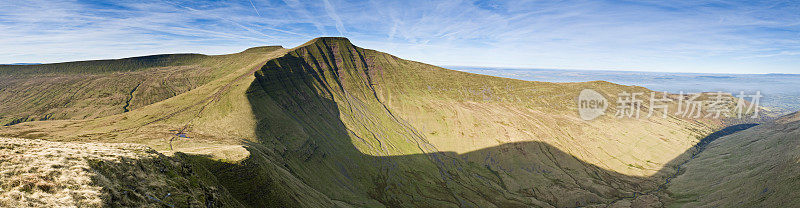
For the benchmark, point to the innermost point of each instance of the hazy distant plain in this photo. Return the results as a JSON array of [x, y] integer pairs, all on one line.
[[781, 91]]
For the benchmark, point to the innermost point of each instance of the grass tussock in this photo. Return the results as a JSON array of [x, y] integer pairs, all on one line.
[[38, 173]]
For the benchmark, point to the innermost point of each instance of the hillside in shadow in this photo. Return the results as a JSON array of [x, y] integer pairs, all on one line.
[[312, 135], [329, 124], [753, 168]]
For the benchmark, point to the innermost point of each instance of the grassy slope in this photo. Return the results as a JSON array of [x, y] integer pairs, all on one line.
[[343, 103], [223, 95], [328, 123], [93, 89], [757, 167]]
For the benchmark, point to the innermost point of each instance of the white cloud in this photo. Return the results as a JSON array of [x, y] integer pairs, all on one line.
[[705, 36]]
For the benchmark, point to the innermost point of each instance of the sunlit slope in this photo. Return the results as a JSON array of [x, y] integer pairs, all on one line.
[[37, 173], [464, 112], [340, 103], [218, 105], [214, 119], [758, 167], [93, 89], [331, 124], [319, 116]]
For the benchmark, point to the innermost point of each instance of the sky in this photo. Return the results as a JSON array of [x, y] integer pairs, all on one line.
[[667, 36]]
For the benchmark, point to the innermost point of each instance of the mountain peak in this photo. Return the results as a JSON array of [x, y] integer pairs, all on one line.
[[327, 41]]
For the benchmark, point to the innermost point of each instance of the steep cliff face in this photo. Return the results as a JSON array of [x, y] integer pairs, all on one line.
[[390, 131], [329, 124], [323, 120]]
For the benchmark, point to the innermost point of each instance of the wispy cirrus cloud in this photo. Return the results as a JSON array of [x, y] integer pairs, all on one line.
[[254, 8], [703, 36], [332, 13]]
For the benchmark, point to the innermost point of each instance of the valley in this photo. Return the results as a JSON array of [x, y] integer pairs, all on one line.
[[331, 124]]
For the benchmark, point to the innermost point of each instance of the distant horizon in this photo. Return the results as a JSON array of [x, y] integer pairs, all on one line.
[[612, 70], [779, 90]]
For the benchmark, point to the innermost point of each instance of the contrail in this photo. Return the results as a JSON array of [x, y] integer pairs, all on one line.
[[254, 7], [332, 13], [222, 18], [236, 23]]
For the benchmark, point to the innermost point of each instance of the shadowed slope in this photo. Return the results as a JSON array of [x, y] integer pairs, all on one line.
[[322, 110], [302, 128], [757, 167], [331, 124]]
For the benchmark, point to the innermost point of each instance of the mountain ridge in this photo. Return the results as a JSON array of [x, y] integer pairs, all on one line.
[[331, 124]]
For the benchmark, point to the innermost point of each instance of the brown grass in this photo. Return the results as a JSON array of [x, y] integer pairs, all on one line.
[[37, 173]]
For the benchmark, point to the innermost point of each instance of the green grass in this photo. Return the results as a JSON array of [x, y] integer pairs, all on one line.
[[103, 66], [753, 168], [328, 123], [93, 89]]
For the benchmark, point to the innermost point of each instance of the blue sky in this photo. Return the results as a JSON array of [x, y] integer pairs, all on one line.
[[671, 36]]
